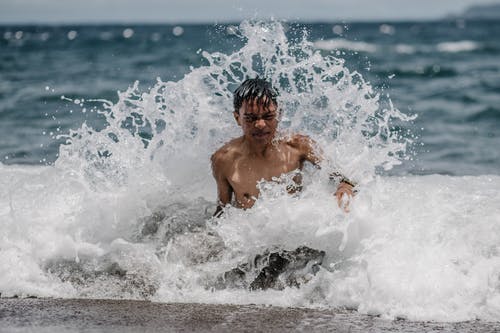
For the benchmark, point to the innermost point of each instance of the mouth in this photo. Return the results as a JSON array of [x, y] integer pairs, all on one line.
[[261, 135]]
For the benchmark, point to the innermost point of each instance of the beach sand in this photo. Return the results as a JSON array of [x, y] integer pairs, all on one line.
[[91, 315]]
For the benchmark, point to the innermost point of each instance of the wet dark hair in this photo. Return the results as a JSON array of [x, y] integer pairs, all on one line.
[[255, 89]]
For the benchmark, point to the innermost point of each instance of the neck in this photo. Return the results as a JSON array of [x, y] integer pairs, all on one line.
[[256, 149]]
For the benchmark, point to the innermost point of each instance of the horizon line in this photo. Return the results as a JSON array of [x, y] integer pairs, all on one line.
[[236, 22]]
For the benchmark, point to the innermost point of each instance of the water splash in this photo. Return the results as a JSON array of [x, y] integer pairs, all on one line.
[[319, 97], [125, 210]]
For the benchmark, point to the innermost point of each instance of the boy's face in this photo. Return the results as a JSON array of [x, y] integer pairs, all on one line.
[[258, 122]]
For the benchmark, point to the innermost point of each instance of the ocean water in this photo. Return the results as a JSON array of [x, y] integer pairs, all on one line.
[[106, 188]]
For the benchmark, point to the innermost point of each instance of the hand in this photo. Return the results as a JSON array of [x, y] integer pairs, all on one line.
[[344, 194]]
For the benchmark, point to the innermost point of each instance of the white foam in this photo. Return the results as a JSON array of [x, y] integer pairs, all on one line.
[[424, 248], [458, 46], [405, 49], [344, 44]]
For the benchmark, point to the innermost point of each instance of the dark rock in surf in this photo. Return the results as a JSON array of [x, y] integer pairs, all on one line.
[[274, 270], [235, 278]]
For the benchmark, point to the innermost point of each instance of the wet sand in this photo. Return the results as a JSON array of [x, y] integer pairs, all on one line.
[[89, 315]]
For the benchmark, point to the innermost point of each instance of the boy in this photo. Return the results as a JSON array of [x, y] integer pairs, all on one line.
[[259, 153]]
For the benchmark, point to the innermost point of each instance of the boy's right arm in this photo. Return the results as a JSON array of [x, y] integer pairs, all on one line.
[[224, 190]]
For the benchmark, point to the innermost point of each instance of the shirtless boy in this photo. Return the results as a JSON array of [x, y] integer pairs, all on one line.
[[260, 153]]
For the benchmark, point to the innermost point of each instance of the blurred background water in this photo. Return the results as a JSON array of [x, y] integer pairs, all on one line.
[[447, 72]]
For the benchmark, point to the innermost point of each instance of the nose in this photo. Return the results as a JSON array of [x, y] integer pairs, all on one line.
[[260, 123]]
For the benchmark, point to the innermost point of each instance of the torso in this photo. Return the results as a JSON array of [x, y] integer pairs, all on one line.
[[243, 171]]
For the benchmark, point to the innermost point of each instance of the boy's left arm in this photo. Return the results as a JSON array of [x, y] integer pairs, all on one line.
[[345, 189]]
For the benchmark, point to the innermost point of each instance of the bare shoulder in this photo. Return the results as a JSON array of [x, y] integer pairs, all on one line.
[[306, 146], [226, 154], [301, 142]]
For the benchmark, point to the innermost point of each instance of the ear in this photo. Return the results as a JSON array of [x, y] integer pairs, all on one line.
[[237, 117]]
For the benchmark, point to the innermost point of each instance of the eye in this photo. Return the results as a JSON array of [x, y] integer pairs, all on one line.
[[250, 119], [269, 116]]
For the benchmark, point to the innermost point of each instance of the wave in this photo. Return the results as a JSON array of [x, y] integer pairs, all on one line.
[[402, 251], [344, 44], [443, 47], [458, 46], [488, 114], [401, 48], [405, 48]]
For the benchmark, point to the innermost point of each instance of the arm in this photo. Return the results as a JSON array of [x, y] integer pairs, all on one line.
[[311, 153], [224, 189], [345, 188]]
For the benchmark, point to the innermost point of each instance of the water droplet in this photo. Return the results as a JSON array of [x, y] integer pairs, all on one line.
[[127, 33], [387, 29], [338, 29], [232, 30], [44, 36], [178, 30], [72, 34]]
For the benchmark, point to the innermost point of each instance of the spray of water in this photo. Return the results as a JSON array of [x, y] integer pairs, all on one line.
[[125, 212]]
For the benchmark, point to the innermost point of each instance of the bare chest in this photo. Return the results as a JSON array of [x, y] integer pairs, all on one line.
[[246, 173]]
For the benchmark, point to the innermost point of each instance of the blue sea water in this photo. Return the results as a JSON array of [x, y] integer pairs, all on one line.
[[106, 190], [446, 72]]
